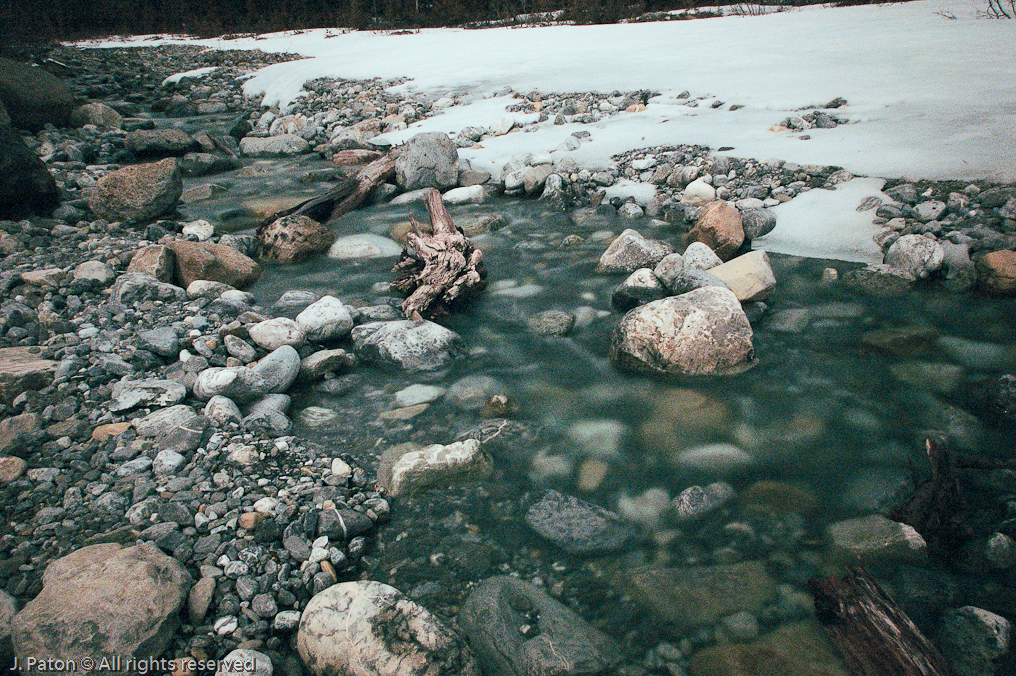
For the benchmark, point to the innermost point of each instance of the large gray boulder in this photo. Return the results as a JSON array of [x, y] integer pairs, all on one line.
[[103, 601], [631, 251], [27, 186], [428, 160], [34, 97], [560, 641], [98, 114], [407, 345], [273, 374], [135, 287], [702, 332], [371, 629], [138, 193]]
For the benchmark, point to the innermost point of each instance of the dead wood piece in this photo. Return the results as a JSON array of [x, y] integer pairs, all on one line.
[[875, 637], [347, 195], [936, 509], [443, 269]]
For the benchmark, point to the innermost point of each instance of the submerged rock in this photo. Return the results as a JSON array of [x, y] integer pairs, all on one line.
[[404, 469], [557, 642], [577, 526]]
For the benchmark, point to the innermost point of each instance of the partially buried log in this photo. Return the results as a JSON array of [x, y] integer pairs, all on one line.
[[438, 270], [344, 197], [874, 636]]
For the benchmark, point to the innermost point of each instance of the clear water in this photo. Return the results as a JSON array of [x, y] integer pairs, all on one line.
[[823, 411], [822, 406]]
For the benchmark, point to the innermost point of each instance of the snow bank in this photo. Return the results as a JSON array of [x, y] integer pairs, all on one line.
[[928, 96], [195, 74], [826, 224]]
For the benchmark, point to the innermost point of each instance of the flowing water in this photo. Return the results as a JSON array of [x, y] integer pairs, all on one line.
[[845, 390]]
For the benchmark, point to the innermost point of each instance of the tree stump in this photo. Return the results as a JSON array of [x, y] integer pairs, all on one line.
[[438, 270], [875, 637]]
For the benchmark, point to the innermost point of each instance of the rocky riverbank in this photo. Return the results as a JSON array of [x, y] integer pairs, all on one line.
[[147, 445]]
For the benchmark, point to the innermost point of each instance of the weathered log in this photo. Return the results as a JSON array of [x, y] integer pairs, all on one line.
[[936, 509], [875, 637], [347, 195], [438, 270]]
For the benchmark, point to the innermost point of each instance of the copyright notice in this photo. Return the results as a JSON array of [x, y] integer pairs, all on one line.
[[138, 665]]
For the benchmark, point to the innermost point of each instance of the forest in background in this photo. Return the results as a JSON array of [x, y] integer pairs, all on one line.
[[34, 21]]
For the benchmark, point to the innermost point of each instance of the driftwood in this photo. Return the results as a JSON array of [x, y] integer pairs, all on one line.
[[874, 636], [936, 509], [344, 197], [443, 268]]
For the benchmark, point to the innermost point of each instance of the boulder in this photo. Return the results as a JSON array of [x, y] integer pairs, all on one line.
[[155, 260], [19, 432], [972, 638], [98, 114], [757, 222], [698, 192], [138, 193], [244, 662], [428, 160], [206, 164], [325, 319], [273, 374], [23, 370], [128, 394], [286, 144], [404, 469], [678, 276], [641, 287], [213, 262], [996, 272], [33, 97], [560, 642], [8, 609], [383, 633], [103, 601], [315, 366], [27, 185], [407, 345], [702, 332], [698, 256], [917, 255], [274, 333], [577, 526], [292, 239], [719, 227], [136, 287], [631, 251], [748, 276], [159, 142]]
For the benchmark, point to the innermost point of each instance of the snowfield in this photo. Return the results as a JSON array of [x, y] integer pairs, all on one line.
[[930, 86]]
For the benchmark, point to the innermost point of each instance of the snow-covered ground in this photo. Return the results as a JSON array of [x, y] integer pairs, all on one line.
[[928, 95]]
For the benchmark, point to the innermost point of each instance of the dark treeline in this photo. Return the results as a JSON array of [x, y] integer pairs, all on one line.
[[40, 20]]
